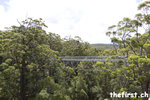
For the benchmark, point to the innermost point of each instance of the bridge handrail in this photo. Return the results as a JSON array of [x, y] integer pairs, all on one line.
[[92, 58], [89, 57]]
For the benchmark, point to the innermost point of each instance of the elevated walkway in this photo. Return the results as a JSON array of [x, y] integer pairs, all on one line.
[[93, 58]]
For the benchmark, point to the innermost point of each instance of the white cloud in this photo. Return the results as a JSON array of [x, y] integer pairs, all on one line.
[[88, 19]]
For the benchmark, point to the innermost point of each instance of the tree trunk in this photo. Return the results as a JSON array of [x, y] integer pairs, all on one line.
[[22, 85], [115, 47], [145, 87], [23, 80], [141, 49]]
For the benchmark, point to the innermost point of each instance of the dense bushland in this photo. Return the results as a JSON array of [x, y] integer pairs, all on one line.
[[31, 66]]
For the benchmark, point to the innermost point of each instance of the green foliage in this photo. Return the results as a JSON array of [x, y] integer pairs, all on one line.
[[31, 67]]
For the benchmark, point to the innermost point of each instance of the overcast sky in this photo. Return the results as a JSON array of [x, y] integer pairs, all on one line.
[[87, 19]]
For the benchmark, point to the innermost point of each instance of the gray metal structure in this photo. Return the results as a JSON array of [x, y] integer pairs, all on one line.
[[93, 58]]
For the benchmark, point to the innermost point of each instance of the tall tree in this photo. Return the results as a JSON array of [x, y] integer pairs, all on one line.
[[28, 56]]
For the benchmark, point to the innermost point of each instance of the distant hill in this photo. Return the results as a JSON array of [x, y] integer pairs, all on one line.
[[101, 45]]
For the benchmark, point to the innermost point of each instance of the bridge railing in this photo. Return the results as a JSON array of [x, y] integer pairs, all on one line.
[[93, 58]]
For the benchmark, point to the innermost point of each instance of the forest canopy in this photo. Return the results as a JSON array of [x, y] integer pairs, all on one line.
[[31, 65]]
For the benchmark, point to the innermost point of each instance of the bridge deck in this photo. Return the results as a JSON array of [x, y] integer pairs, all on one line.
[[92, 58]]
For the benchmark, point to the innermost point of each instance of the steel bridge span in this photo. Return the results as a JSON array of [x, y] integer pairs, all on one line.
[[94, 58]]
